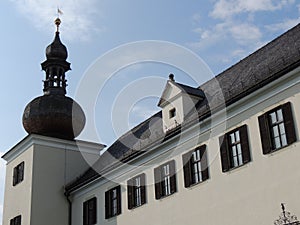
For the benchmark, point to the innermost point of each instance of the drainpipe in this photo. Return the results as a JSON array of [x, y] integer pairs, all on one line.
[[70, 207]]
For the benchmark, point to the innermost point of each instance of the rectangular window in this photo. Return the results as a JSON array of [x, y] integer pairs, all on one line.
[[113, 202], [172, 113], [195, 166], [18, 174], [165, 180], [277, 128], [136, 191], [16, 220], [90, 211], [278, 134], [234, 148]]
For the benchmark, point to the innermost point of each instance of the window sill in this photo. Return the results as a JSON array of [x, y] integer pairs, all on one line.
[[137, 207], [166, 196], [17, 184], [237, 168], [192, 186], [113, 217], [281, 149]]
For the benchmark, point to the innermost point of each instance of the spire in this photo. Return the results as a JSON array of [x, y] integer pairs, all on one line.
[[54, 114], [56, 65]]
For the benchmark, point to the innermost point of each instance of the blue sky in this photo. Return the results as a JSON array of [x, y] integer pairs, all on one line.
[[221, 32]]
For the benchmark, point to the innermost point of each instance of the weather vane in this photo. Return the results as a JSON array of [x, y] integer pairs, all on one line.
[[59, 12], [57, 20]]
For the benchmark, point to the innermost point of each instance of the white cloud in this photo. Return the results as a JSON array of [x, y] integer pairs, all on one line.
[[283, 26], [77, 18], [244, 34], [224, 9]]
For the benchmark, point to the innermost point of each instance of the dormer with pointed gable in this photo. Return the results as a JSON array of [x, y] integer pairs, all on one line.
[[177, 101]]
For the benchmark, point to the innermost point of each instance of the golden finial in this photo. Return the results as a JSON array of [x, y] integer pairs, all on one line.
[[57, 23]]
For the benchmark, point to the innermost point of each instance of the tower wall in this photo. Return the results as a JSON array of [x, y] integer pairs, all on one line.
[[50, 163]]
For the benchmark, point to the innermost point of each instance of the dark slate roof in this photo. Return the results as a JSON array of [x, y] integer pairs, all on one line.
[[253, 72], [191, 90]]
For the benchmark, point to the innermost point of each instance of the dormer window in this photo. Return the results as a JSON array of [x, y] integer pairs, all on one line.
[[178, 101], [172, 113]]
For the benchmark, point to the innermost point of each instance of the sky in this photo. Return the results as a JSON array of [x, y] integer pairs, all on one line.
[[124, 51]]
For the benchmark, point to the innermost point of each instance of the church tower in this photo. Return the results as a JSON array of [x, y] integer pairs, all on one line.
[[49, 157]]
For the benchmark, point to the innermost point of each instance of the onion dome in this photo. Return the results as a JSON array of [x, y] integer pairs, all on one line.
[[57, 50], [54, 114]]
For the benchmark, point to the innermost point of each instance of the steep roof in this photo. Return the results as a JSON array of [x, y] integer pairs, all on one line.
[[253, 72], [196, 92]]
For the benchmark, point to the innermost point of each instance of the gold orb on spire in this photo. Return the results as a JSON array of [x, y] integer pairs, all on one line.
[[57, 23]]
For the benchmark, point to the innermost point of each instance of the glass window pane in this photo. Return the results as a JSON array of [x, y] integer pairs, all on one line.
[[273, 117], [234, 153], [275, 131], [232, 138], [277, 142], [239, 149], [237, 136], [240, 159], [279, 115], [235, 161], [283, 140], [281, 128]]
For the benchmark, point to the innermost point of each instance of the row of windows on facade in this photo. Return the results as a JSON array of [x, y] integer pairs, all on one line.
[[276, 129]]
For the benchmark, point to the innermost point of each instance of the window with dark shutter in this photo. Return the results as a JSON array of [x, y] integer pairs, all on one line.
[[136, 191], [90, 211], [113, 202], [195, 166], [165, 180], [18, 174], [234, 148], [277, 128], [16, 220]]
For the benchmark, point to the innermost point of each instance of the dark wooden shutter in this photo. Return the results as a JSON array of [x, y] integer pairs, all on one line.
[[92, 211], [245, 144], [289, 123], [130, 194], [85, 213], [265, 135], [173, 176], [15, 176], [107, 205], [12, 222], [119, 203], [157, 180], [21, 172], [186, 159], [223, 140], [143, 188], [204, 163]]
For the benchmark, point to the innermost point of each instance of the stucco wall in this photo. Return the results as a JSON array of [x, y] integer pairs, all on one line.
[[17, 199]]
